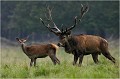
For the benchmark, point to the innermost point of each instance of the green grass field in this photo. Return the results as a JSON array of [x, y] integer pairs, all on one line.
[[15, 64]]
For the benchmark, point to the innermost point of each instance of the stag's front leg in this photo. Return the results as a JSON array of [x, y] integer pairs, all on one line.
[[80, 59], [95, 58], [75, 58]]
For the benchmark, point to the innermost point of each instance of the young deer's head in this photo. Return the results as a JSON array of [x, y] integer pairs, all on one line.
[[22, 41]]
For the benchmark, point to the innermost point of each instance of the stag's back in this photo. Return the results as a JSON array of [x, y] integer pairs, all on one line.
[[91, 43]]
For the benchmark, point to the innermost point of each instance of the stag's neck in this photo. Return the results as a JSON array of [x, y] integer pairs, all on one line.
[[72, 42]]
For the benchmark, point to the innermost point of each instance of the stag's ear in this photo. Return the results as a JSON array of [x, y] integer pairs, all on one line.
[[58, 34], [69, 32]]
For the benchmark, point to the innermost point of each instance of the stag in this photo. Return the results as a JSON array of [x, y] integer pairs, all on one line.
[[39, 51], [79, 45]]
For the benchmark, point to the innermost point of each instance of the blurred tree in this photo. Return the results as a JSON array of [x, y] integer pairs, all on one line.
[[21, 18]]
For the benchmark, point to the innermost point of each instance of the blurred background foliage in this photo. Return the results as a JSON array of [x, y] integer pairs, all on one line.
[[21, 18]]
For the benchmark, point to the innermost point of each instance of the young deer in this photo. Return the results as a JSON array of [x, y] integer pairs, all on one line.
[[39, 51]]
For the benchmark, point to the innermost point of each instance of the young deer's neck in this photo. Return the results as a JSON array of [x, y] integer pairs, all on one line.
[[23, 48]]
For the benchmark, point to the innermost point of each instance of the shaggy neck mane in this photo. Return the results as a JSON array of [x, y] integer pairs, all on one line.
[[72, 42]]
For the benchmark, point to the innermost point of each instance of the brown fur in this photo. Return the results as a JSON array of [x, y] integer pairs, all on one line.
[[90, 43], [81, 45], [39, 51]]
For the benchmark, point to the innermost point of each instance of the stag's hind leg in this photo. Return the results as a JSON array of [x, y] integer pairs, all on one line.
[[80, 59], [95, 58], [107, 55]]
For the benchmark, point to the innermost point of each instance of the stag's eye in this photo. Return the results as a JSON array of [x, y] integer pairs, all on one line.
[[63, 36]]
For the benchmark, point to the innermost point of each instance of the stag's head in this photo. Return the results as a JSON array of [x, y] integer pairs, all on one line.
[[63, 34]]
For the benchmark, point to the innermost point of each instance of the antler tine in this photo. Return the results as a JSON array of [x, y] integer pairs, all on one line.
[[62, 28], [43, 23], [83, 10], [50, 28], [27, 36], [75, 23], [51, 20], [50, 15]]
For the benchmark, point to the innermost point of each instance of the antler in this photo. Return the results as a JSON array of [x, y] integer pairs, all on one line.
[[49, 18], [83, 11], [75, 23], [55, 29]]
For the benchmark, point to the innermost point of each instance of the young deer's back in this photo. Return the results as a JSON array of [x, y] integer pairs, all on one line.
[[40, 50]]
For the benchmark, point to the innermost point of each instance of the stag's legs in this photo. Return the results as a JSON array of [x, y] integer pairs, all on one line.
[[80, 59], [75, 58], [95, 58], [107, 55]]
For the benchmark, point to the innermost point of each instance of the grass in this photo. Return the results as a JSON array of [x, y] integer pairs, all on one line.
[[15, 64]]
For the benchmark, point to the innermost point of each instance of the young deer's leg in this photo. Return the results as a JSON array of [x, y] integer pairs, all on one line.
[[53, 60], [80, 59], [31, 62], [95, 58], [57, 60], [35, 61], [51, 55]]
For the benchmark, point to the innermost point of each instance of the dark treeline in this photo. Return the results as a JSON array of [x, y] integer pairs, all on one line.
[[21, 18]]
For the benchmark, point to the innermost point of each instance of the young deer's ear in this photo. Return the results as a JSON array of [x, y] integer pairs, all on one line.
[[17, 38], [24, 40]]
